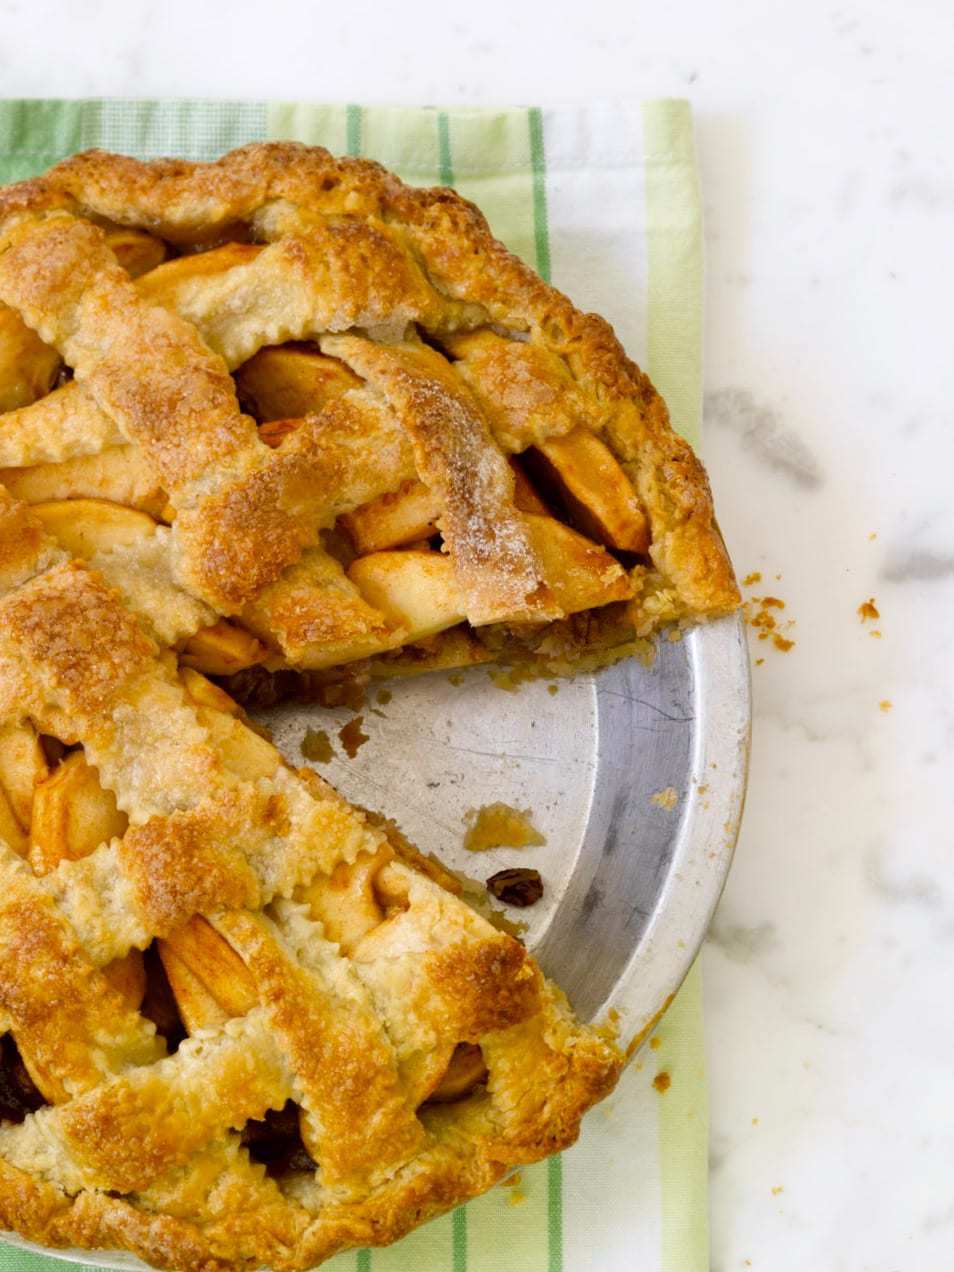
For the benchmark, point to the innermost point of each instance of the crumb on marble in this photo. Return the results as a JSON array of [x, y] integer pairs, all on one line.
[[662, 1082], [755, 1121], [876, 634], [758, 613], [553, 690], [868, 609], [667, 798], [778, 1188], [455, 678], [885, 705], [873, 535], [383, 697], [759, 662], [750, 579], [352, 737]]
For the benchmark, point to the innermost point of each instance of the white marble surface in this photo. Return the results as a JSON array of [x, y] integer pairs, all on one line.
[[826, 146]]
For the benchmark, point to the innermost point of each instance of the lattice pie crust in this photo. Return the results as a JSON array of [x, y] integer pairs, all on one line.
[[440, 462]]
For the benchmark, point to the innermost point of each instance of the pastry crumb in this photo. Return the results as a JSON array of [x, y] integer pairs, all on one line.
[[872, 535], [885, 704], [758, 614], [667, 798], [750, 579], [759, 662], [868, 609], [779, 1188], [655, 1042], [383, 697], [876, 634], [316, 746], [517, 1197], [512, 1181], [755, 1121], [662, 1082], [500, 826], [553, 690], [352, 737], [455, 678]]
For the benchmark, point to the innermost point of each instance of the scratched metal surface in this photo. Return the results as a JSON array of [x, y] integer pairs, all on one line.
[[630, 883]]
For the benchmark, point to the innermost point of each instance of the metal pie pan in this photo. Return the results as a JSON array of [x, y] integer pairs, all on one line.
[[636, 776]]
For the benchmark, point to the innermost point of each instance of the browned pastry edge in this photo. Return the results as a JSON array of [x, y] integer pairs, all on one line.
[[197, 204]]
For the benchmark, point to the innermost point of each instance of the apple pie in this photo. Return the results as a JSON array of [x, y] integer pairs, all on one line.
[[308, 419], [276, 424]]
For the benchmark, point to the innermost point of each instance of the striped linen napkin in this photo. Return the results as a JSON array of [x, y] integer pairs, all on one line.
[[604, 200]]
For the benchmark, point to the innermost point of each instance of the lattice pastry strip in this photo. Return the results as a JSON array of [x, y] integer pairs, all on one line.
[[72, 1025]]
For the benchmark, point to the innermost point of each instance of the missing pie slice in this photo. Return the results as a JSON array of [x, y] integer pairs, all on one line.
[[308, 418], [282, 421]]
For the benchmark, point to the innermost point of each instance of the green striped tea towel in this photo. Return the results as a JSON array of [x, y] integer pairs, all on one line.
[[602, 199]]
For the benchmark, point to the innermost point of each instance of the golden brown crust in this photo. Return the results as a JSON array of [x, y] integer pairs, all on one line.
[[139, 1150], [348, 245], [495, 563], [67, 620]]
